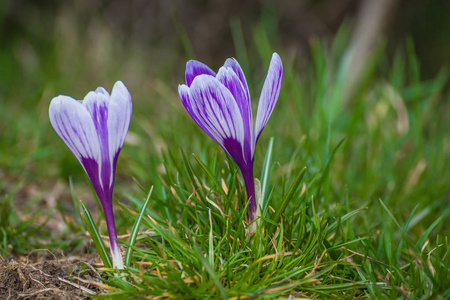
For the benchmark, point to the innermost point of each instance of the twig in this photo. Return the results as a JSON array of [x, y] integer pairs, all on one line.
[[84, 289]]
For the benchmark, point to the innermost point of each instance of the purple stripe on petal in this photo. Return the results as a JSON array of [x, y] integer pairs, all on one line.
[[195, 68], [234, 149], [192, 108], [119, 116], [269, 94], [233, 64], [97, 104], [73, 123], [188, 103], [230, 80], [216, 106], [215, 110], [92, 168]]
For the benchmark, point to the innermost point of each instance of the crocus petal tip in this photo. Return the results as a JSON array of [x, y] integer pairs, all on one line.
[[120, 85], [276, 59], [194, 69], [183, 91], [101, 90]]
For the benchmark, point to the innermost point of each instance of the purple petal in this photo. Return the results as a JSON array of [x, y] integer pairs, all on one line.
[[97, 104], [102, 90], [233, 64], [195, 68], [269, 94], [231, 81], [119, 116], [186, 99], [74, 124], [241, 157], [214, 109]]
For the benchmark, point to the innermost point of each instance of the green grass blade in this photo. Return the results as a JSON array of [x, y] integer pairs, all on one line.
[[285, 201], [390, 214], [210, 269], [211, 241], [135, 229], [95, 235], [427, 232], [265, 174], [210, 175]]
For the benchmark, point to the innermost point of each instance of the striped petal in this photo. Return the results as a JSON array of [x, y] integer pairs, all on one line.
[[74, 124], [188, 102], [119, 117], [214, 109], [100, 172], [269, 94], [233, 64], [195, 68], [233, 83], [103, 91]]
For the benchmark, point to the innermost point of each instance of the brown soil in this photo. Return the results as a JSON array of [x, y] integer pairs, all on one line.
[[53, 280]]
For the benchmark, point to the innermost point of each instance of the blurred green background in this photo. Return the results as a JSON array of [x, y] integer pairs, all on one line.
[[45, 44], [374, 72]]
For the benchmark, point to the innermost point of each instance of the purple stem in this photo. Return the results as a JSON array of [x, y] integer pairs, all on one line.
[[115, 249], [109, 216], [247, 173], [105, 197]]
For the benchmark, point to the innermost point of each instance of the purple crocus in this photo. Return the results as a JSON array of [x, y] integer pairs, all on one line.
[[94, 129], [220, 105]]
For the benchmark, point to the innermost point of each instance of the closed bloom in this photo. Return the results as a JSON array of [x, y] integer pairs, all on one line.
[[94, 129], [220, 105]]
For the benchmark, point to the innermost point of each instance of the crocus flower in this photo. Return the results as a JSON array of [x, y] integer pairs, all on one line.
[[94, 129], [220, 105]]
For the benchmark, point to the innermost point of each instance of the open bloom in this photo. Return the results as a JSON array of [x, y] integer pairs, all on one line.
[[220, 105], [94, 129]]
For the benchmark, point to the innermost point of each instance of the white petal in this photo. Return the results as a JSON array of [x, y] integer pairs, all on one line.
[[215, 110], [233, 64], [189, 104], [74, 124], [119, 117], [102, 90], [269, 94]]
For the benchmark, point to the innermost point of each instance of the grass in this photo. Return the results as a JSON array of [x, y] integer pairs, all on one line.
[[356, 183]]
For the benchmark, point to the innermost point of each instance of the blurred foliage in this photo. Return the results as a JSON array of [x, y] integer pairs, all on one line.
[[43, 40]]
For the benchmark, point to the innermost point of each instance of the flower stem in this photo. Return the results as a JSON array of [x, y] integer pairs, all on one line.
[[115, 249], [247, 173]]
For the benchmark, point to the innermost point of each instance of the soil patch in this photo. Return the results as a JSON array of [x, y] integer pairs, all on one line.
[[47, 280]]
